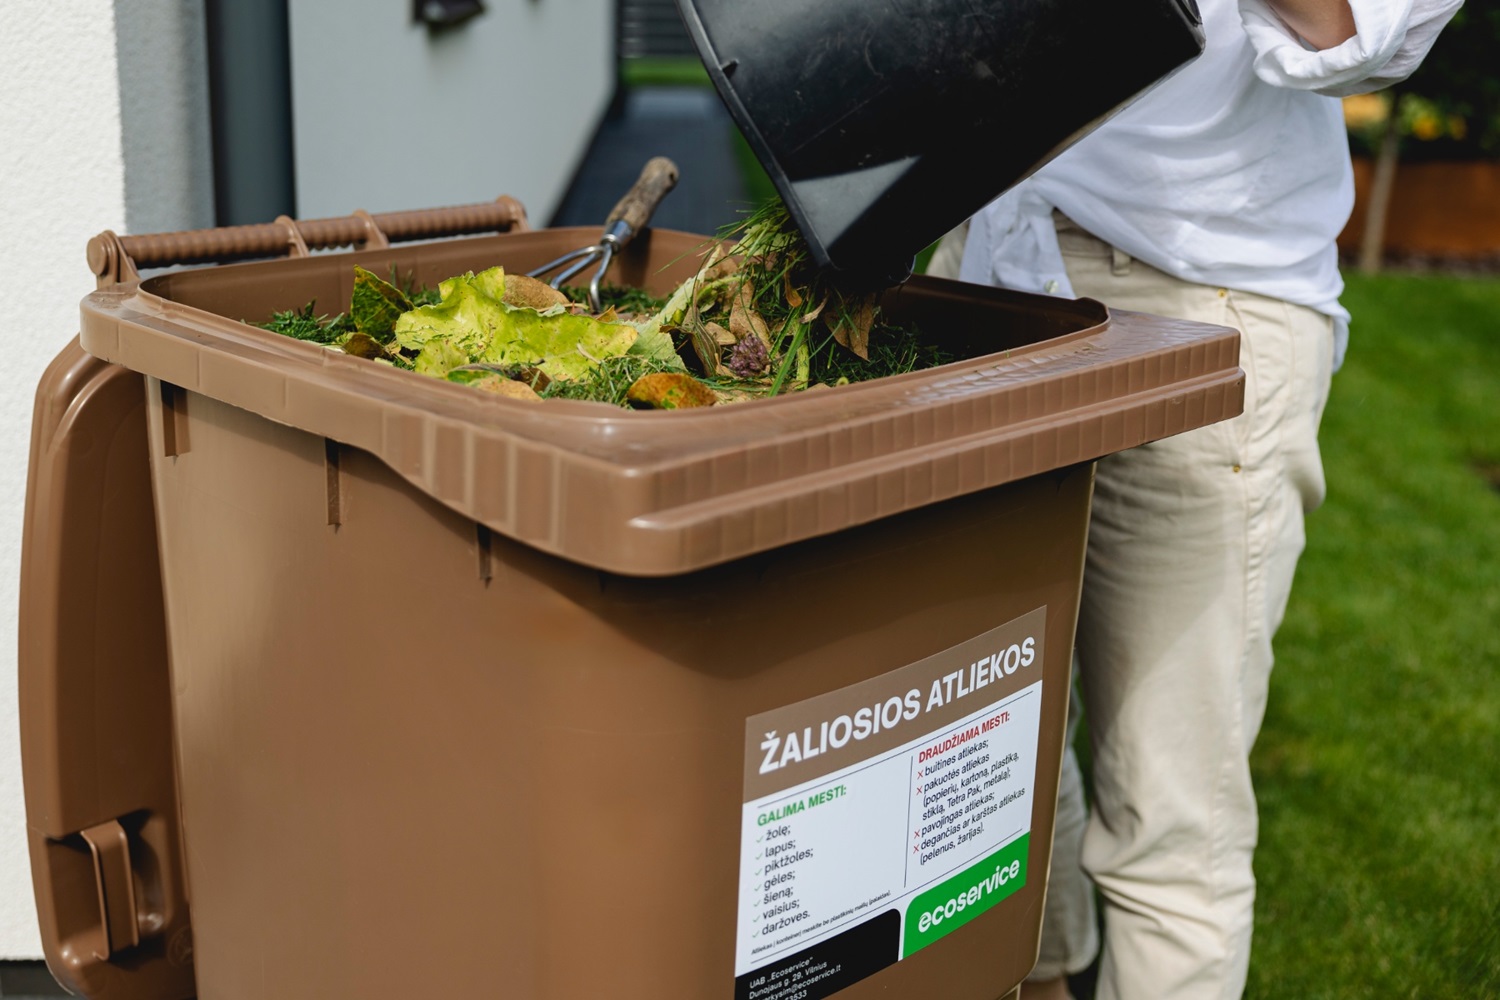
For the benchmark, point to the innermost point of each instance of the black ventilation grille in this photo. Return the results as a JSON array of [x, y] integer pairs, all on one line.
[[652, 28]]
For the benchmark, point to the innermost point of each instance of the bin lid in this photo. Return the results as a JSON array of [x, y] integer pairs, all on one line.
[[657, 493], [884, 125], [95, 697]]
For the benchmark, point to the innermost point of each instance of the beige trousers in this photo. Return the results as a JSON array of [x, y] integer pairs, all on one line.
[[1192, 547]]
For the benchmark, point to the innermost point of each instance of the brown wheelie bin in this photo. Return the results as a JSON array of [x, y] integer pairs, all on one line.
[[339, 681]]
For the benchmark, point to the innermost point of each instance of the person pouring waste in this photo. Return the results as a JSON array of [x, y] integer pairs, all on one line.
[[1216, 197]]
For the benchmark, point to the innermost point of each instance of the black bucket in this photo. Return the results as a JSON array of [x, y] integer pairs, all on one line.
[[885, 123]]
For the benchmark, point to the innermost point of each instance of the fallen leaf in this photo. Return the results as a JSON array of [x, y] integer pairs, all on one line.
[[375, 305], [720, 266], [852, 327], [859, 337], [704, 347], [793, 298], [493, 382], [670, 391], [530, 293], [745, 322], [727, 396], [534, 377], [362, 345], [721, 336], [510, 389], [863, 323], [737, 294]]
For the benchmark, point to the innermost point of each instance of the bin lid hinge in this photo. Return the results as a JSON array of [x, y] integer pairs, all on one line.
[[109, 261]]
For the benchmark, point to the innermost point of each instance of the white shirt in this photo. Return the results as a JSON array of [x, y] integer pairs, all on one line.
[[1234, 172]]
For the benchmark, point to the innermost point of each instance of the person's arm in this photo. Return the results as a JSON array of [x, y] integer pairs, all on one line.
[[1383, 41], [1323, 24]]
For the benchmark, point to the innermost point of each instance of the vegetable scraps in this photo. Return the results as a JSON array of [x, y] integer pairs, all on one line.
[[756, 320]]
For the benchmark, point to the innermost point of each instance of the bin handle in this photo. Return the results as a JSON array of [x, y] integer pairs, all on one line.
[[115, 883], [296, 245], [375, 238], [115, 259]]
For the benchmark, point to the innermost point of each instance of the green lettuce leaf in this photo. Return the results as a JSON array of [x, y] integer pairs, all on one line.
[[472, 320], [438, 357], [656, 344]]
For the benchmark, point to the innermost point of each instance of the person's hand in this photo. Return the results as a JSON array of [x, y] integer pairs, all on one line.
[[1323, 24]]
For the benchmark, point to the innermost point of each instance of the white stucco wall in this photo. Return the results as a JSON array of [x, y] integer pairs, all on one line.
[[67, 171], [164, 124], [390, 116]]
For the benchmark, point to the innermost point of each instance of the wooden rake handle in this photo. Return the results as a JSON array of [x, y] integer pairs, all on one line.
[[635, 209]]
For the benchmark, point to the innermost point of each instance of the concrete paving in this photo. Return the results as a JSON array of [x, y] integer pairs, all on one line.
[[28, 981]]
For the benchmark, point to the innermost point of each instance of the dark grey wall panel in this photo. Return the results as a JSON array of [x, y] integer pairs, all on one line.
[[250, 94]]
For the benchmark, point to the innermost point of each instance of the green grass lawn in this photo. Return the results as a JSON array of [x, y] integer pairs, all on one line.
[[1378, 769], [664, 71]]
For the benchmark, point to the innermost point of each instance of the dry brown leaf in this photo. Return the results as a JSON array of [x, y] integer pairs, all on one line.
[[721, 267], [739, 294], [706, 349], [362, 345], [852, 326], [840, 327], [670, 391], [744, 322], [859, 338], [704, 346], [727, 396], [496, 383], [509, 388], [610, 315], [793, 298], [721, 336], [531, 293], [535, 377]]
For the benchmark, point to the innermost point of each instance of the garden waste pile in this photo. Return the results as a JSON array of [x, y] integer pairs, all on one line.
[[756, 320]]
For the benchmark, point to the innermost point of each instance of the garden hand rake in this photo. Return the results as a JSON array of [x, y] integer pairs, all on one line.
[[628, 218]]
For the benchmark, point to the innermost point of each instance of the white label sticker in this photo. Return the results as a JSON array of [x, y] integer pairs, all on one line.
[[880, 817]]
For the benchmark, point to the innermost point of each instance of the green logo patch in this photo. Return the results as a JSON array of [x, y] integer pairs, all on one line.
[[946, 907]]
